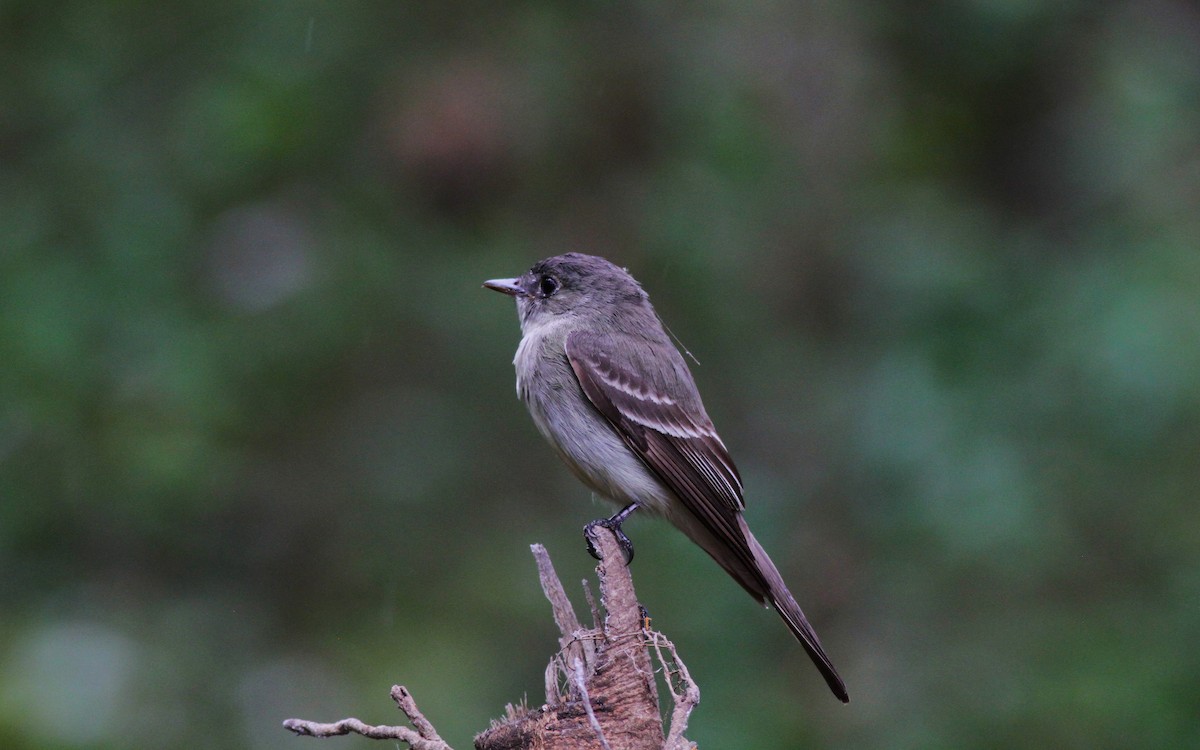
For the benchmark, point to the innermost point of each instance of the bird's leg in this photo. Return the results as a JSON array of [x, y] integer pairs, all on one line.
[[614, 525]]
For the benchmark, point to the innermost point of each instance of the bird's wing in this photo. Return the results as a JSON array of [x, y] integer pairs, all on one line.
[[672, 435], [675, 439]]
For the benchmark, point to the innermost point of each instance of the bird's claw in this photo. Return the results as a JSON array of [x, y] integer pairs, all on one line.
[[615, 527]]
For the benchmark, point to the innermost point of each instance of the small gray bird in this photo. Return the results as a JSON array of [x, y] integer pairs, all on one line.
[[608, 389]]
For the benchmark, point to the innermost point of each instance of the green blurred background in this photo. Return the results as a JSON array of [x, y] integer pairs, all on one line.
[[260, 453]]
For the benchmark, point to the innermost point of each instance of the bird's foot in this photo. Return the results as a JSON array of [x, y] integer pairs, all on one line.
[[614, 525]]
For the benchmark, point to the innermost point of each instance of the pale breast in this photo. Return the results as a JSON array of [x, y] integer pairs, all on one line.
[[584, 439]]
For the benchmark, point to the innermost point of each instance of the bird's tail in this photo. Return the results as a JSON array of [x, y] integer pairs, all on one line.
[[761, 579], [785, 604]]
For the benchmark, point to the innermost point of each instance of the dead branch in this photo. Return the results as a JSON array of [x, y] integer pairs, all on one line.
[[601, 691], [424, 737]]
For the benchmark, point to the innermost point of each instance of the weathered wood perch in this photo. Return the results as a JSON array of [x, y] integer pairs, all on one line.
[[601, 690]]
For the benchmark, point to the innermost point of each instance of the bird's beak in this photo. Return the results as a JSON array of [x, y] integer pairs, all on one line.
[[511, 287]]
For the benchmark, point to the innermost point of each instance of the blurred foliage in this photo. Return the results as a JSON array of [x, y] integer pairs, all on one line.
[[260, 454]]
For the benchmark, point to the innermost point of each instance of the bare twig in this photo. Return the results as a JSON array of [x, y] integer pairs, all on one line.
[[353, 726], [564, 614], [408, 705], [684, 698], [424, 737], [581, 686], [569, 628]]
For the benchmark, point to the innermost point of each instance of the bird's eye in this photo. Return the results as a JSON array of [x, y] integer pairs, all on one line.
[[547, 286]]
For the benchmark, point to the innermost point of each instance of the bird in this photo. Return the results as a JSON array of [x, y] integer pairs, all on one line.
[[614, 397]]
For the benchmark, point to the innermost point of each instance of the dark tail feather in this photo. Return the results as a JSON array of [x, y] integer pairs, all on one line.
[[798, 624], [794, 618], [762, 580]]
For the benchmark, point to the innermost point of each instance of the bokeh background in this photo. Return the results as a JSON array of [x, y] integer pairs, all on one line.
[[260, 452]]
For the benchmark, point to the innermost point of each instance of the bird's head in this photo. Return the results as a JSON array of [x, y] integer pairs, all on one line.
[[571, 284]]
